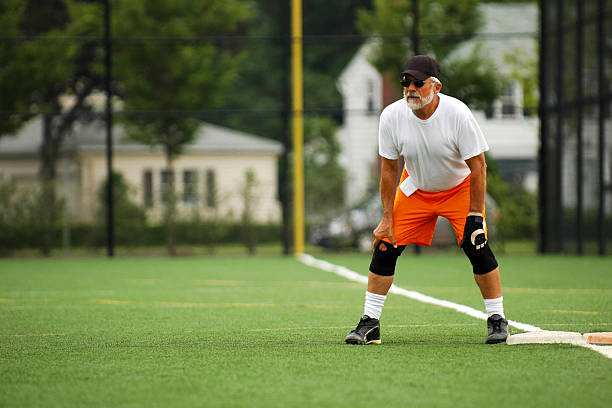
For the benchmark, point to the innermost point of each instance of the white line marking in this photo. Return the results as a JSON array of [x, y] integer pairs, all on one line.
[[605, 350], [356, 277]]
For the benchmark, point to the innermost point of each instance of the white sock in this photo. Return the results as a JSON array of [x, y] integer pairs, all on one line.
[[495, 306], [374, 304]]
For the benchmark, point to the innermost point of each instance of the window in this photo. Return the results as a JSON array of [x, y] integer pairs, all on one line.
[[210, 192], [189, 186], [511, 99], [147, 188], [370, 97]]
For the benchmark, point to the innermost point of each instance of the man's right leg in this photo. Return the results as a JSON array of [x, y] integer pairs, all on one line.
[[378, 286], [380, 279], [413, 223]]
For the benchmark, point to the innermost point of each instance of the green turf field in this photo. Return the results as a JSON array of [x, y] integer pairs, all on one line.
[[268, 332]]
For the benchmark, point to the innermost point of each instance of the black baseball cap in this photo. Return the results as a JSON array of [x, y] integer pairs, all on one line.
[[421, 67]]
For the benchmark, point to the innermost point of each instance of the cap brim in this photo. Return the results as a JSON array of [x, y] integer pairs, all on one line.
[[416, 74]]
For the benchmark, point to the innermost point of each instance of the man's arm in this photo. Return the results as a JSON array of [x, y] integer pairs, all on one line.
[[474, 238], [388, 186], [478, 183]]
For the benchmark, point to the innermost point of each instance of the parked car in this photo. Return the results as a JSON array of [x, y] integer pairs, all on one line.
[[350, 228], [353, 227]]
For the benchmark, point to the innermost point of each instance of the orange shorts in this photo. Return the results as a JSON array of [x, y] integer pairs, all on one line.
[[415, 217]]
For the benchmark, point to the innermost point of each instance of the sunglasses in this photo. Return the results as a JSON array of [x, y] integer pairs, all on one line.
[[417, 82]]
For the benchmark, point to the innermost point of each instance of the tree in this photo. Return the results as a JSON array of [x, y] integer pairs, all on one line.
[[160, 79], [524, 68], [259, 101], [37, 73], [443, 25], [261, 79], [518, 214]]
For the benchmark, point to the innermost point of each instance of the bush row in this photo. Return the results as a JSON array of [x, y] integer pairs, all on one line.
[[90, 235]]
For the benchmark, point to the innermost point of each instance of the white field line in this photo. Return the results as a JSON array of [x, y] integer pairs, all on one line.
[[356, 277]]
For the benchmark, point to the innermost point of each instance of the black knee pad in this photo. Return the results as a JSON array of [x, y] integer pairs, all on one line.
[[384, 258], [483, 261]]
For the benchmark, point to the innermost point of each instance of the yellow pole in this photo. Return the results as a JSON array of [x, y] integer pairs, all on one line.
[[298, 127]]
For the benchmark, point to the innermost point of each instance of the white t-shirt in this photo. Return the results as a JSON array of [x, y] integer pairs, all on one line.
[[435, 149]]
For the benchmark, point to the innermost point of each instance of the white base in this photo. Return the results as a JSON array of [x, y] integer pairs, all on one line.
[[547, 337]]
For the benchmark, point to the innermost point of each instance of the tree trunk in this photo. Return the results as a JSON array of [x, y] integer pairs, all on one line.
[[48, 159], [53, 132], [170, 206]]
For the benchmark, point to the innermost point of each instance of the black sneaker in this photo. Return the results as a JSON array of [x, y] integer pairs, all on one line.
[[498, 329], [367, 332]]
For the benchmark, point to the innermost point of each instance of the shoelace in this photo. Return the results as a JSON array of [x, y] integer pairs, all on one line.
[[496, 325]]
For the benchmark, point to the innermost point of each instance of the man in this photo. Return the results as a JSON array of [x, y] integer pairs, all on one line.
[[444, 175]]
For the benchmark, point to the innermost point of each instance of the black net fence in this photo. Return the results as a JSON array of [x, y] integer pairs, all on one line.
[[200, 117], [576, 101]]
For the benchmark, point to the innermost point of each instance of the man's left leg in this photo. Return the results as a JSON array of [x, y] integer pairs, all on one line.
[[489, 284], [485, 266], [490, 288]]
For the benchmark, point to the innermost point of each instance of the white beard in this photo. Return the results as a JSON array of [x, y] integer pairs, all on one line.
[[417, 104]]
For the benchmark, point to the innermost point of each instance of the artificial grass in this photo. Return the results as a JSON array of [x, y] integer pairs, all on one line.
[[268, 331]]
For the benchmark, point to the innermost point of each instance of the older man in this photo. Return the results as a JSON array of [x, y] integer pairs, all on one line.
[[444, 175]]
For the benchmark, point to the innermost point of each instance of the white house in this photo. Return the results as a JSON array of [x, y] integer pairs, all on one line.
[[210, 172], [512, 137], [361, 87]]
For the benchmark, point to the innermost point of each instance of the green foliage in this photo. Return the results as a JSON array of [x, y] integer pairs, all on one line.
[[263, 76], [129, 218], [524, 68], [213, 232], [208, 231], [205, 226], [472, 79], [22, 225], [518, 216], [36, 73], [21, 218], [443, 26], [171, 76], [457, 20], [324, 177]]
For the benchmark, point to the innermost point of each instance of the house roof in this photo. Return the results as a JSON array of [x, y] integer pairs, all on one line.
[[360, 62], [91, 137]]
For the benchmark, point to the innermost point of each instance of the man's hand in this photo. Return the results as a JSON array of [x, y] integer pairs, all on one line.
[[474, 234], [384, 230]]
